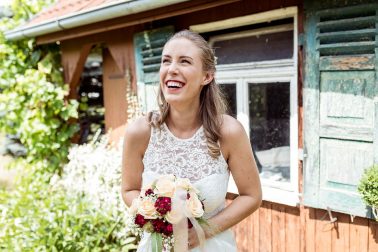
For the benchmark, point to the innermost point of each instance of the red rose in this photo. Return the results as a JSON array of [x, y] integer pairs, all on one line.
[[140, 220], [168, 229], [187, 195], [149, 191], [163, 205], [159, 225]]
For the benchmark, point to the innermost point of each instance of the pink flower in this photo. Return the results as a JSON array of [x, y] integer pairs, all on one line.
[[163, 205], [139, 220]]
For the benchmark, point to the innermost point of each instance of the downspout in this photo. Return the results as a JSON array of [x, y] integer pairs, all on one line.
[[114, 10]]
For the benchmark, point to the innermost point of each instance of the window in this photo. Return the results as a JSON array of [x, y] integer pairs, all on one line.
[[256, 69]]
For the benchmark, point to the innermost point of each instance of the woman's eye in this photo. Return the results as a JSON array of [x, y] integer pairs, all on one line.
[[165, 61], [186, 61]]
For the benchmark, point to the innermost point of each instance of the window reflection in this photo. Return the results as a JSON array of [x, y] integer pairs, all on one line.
[[229, 92], [269, 113]]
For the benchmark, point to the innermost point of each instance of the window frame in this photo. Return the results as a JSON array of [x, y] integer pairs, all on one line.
[[283, 70]]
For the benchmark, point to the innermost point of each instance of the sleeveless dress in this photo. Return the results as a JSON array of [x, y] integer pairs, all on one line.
[[189, 158]]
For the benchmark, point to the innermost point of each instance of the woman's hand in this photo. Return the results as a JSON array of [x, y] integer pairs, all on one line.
[[193, 240]]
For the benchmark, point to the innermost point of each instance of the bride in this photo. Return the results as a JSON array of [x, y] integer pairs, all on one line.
[[192, 138]]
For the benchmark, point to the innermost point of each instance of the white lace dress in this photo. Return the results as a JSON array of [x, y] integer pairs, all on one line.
[[189, 158]]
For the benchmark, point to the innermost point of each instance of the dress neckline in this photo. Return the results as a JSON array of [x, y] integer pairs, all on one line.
[[182, 139]]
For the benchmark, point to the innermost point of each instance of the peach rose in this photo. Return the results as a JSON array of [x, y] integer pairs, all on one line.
[[133, 209], [165, 187], [194, 206], [147, 208]]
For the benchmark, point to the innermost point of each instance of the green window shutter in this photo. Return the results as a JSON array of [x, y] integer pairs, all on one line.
[[340, 106], [148, 48]]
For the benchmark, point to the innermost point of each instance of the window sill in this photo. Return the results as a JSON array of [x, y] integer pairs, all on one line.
[[276, 195]]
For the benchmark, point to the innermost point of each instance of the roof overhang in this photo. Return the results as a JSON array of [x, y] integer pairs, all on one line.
[[104, 12]]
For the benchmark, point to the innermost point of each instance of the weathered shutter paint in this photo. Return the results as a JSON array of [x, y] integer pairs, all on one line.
[[148, 48], [340, 102]]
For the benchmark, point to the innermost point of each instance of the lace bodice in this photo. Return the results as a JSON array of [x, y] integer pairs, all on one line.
[[187, 158]]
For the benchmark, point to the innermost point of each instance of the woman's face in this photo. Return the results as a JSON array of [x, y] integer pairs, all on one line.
[[181, 72]]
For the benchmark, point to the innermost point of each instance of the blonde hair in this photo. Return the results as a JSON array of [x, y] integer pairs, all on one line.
[[212, 102]]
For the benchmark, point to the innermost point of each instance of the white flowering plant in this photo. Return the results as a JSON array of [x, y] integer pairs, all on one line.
[[94, 173]]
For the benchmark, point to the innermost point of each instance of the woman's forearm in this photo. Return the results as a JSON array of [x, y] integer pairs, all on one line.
[[239, 209], [129, 196]]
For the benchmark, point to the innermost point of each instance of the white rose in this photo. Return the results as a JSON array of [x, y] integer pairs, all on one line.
[[194, 206], [183, 183], [147, 208], [133, 209], [165, 187], [173, 217]]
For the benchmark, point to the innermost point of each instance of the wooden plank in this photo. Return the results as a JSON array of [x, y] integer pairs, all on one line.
[[293, 231], [278, 228], [346, 11], [340, 234], [114, 93], [345, 36], [347, 22], [349, 48], [323, 227], [265, 227], [256, 230], [358, 232], [373, 236], [310, 229], [357, 62], [242, 235]]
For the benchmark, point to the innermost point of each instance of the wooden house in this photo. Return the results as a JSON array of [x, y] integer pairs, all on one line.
[[300, 75]]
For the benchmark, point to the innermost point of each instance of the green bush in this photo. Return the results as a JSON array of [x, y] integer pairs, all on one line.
[[35, 109], [32, 94], [368, 187]]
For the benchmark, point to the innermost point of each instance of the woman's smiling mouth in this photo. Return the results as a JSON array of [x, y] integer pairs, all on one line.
[[173, 84]]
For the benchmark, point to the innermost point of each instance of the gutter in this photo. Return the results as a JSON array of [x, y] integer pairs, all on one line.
[[113, 10]]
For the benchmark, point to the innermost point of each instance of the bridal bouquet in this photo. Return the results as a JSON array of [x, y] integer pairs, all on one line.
[[165, 210]]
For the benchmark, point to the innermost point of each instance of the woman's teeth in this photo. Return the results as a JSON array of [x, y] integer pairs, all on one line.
[[173, 84]]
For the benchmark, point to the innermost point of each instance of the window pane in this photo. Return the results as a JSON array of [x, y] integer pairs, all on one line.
[[229, 91], [269, 112], [255, 48]]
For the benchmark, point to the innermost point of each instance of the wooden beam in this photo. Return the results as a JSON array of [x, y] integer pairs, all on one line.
[[114, 88], [122, 50], [131, 20], [74, 56]]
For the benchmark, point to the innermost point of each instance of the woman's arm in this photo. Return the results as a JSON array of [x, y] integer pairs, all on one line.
[[237, 150], [135, 143]]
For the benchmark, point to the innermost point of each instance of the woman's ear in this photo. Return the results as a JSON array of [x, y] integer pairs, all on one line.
[[208, 78]]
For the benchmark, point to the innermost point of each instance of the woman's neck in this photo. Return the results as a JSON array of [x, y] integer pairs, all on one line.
[[183, 120]]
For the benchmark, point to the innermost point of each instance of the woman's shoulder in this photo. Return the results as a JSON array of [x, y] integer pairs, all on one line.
[[138, 130], [231, 128]]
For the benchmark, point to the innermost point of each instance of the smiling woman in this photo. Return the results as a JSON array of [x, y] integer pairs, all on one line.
[[191, 137]]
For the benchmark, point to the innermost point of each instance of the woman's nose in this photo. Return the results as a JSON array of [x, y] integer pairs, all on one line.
[[172, 69]]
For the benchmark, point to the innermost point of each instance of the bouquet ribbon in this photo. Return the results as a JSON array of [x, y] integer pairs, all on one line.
[[180, 228]]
